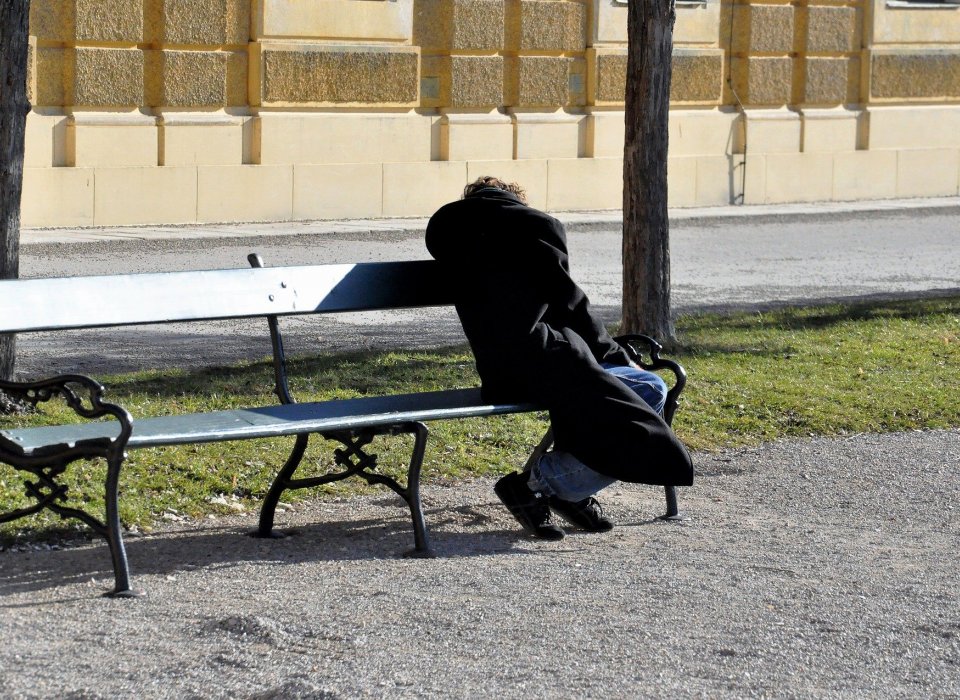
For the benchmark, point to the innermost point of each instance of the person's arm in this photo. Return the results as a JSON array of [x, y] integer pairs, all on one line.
[[552, 256]]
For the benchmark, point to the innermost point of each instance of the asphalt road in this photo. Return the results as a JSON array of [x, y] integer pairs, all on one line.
[[719, 263]]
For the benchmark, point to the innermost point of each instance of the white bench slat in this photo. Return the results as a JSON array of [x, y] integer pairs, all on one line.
[[268, 421], [114, 300]]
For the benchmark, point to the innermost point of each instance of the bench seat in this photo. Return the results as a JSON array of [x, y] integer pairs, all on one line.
[[264, 422]]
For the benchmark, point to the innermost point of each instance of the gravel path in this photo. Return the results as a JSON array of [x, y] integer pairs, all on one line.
[[806, 569]]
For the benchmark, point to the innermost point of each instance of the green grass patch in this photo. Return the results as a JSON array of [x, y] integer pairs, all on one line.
[[829, 370], [753, 377]]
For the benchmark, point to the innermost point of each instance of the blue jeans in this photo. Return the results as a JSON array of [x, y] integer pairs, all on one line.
[[562, 475]]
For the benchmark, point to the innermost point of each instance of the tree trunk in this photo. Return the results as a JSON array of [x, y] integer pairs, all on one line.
[[14, 39], [646, 237]]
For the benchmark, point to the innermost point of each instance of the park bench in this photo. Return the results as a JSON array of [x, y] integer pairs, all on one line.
[[44, 453]]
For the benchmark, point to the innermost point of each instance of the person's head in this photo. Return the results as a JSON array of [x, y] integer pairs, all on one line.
[[488, 181]]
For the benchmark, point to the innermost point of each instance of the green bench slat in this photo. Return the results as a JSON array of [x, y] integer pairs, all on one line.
[[267, 421]]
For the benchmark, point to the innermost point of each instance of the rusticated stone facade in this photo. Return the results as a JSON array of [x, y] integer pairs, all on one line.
[[150, 111]]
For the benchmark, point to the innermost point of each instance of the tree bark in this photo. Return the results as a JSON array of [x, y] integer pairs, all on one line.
[[14, 38], [646, 231]]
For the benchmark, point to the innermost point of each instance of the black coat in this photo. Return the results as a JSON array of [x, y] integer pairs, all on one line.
[[534, 338]]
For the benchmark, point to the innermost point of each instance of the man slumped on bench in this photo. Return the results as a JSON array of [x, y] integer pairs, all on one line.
[[534, 339]]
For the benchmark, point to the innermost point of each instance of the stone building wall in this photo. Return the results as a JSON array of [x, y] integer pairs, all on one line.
[[166, 111]]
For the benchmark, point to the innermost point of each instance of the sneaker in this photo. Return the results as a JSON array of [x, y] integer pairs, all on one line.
[[586, 514], [527, 506]]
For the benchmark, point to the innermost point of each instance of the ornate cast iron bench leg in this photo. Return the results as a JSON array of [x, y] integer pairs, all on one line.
[[281, 483], [114, 537], [356, 461], [83, 395]]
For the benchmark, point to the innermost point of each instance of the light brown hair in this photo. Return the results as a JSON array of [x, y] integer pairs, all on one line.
[[490, 181]]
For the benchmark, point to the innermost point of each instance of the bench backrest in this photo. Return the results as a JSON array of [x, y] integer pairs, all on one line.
[[115, 300]]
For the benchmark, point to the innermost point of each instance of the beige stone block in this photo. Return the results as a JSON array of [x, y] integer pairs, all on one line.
[[466, 137], [584, 183], [119, 21], [244, 193], [914, 127], [476, 81], [933, 172], [145, 196], [557, 135], [773, 132], [797, 177], [864, 175], [922, 73], [108, 20], [201, 144], [45, 140], [577, 83], [435, 81], [763, 29], [57, 197], [102, 77], [419, 189], [897, 25], [339, 75], [695, 132], [763, 81], [750, 179], [347, 20], [543, 81], [344, 138], [830, 131], [52, 20], [608, 25], [716, 180], [529, 174], [697, 76], [552, 25], [478, 25], [200, 22], [350, 191], [460, 25], [682, 181], [186, 78], [237, 78], [833, 29], [607, 76], [832, 80], [697, 23], [605, 134], [51, 90], [112, 144]]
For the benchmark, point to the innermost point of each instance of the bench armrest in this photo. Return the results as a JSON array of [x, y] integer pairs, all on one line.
[[81, 393], [634, 345]]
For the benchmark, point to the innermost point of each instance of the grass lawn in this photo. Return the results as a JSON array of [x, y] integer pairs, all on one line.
[[753, 377]]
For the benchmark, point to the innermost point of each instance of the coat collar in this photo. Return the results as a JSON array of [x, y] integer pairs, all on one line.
[[494, 193]]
